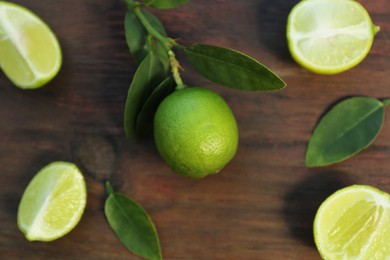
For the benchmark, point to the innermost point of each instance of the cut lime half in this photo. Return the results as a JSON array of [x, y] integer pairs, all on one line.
[[354, 223], [53, 202], [329, 36], [30, 54]]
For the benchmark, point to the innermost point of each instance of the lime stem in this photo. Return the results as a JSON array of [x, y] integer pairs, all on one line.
[[175, 70], [176, 45], [376, 29], [109, 188], [167, 43], [386, 102], [131, 5]]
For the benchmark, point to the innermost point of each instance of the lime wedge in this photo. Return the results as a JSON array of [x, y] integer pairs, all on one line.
[[329, 36], [30, 54], [354, 223], [53, 202]]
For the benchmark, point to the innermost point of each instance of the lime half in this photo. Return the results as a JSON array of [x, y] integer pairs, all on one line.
[[30, 54], [354, 223], [329, 36], [53, 202]]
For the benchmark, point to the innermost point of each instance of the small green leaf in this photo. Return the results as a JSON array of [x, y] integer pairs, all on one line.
[[148, 76], [135, 37], [154, 22], [146, 116], [386, 102], [349, 127], [232, 69], [165, 4], [133, 226], [138, 40], [156, 45]]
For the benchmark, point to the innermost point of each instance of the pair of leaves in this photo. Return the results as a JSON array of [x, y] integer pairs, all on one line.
[[132, 225], [348, 128], [149, 87], [231, 68], [164, 4]]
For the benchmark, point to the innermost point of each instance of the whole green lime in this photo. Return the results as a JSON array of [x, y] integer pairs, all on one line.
[[195, 132]]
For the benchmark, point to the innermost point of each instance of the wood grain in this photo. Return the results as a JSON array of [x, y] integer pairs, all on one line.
[[261, 206]]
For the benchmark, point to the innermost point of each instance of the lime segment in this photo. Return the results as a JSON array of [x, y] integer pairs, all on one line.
[[30, 54], [53, 202], [329, 36], [354, 223]]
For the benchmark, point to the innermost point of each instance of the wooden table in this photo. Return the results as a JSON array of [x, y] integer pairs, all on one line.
[[261, 206]]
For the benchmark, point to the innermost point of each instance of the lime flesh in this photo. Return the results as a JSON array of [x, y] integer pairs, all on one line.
[[329, 36], [52, 203], [354, 223], [30, 54]]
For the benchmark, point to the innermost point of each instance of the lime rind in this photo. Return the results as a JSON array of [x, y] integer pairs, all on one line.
[[28, 42], [195, 132], [376, 220], [324, 38]]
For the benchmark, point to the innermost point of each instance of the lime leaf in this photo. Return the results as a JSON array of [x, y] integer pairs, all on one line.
[[165, 4], [145, 118], [154, 44], [154, 22], [137, 37], [232, 69], [147, 77], [132, 225], [345, 130]]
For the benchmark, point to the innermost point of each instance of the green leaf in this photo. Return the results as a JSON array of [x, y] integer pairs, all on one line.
[[165, 4], [231, 68], [386, 102], [148, 76], [154, 22], [156, 45], [140, 42], [349, 127], [135, 37], [133, 226], [146, 116]]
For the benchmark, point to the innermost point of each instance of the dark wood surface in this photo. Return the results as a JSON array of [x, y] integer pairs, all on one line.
[[261, 206]]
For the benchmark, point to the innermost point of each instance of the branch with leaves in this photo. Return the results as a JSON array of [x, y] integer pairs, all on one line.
[[156, 77], [158, 72]]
